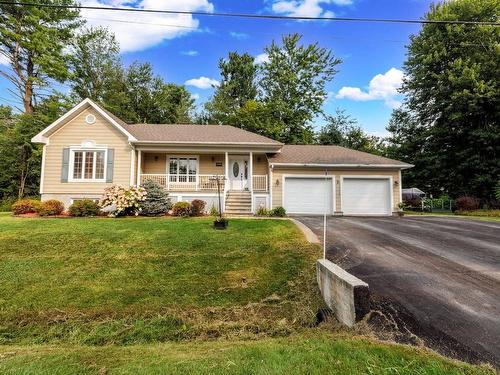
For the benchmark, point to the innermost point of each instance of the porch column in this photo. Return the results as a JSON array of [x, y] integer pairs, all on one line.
[[139, 166], [250, 181], [226, 172], [132, 166]]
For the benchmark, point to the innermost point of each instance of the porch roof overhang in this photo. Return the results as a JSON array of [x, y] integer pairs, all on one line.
[[207, 147]]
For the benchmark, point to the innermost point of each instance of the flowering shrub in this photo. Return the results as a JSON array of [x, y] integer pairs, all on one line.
[[25, 206], [120, 201]]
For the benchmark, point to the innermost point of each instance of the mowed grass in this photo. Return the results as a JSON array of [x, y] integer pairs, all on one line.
[[138, 280], [174, 296], [312, 352], [460, 216]]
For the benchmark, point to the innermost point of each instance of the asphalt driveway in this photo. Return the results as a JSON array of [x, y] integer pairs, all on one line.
[[444, 272]]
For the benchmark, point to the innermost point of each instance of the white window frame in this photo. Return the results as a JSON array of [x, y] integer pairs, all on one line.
[[177, 157], [72, 151]]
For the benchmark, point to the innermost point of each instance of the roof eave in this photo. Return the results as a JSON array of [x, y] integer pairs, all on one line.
[[344, 165], [276, 146], [43, 138]]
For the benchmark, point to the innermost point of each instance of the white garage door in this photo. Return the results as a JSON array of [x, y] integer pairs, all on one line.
[[308, 195], [366, 196]]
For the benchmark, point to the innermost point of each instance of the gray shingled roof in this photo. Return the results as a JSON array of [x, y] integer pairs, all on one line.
[[174, 133], [316, 154]]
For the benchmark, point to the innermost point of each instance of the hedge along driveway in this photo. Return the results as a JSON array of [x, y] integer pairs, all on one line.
[[131, 280]]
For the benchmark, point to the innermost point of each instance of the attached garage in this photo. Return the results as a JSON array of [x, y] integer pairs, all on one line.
[[308, 195], [366, 196]]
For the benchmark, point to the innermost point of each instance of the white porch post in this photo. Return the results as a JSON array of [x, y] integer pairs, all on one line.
[[139, 167], [226, 173], [270, 187], [226, 180], [250, 182], [132, 166]]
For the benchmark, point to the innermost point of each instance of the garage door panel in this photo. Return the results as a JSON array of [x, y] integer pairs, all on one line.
[[366, 196], [308, 195]]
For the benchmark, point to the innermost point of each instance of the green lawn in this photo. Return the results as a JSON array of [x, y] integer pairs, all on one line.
[[314, 352], [162, 295], [475, 217], [138, 280]]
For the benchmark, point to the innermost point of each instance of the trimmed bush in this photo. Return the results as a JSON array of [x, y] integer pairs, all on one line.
[[51, 207], [157, 201], [278, 212], [26, 206], [466, 203], [197, 207], [182, 209], [84, 208]]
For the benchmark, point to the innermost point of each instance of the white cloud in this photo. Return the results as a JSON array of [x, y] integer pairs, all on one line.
[[261, 58], [139, 31], [381, 87], [195, 96], [189, 53], [306, 8], [202, 82], [240, 36]]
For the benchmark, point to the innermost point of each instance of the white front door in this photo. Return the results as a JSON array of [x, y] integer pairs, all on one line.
[[238, 174]]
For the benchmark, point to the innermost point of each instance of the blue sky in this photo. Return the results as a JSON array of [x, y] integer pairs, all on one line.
[[186, 49]]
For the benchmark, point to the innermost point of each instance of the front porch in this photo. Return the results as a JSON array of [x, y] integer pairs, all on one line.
[[204, 182], [195, 174]]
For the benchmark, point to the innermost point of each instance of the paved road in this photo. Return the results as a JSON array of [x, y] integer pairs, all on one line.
[[444, 271]]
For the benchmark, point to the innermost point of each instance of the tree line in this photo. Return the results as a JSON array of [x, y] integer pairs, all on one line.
[[448, 125]]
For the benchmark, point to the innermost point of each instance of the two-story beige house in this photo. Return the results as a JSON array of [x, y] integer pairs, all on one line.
[[89, 148]]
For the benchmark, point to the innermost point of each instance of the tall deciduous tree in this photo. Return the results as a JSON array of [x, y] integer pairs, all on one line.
[[94, 64], [154, 101], [343, 130], [33, 39], [294, 80], [450, 124], [20, 160], [237, 87]]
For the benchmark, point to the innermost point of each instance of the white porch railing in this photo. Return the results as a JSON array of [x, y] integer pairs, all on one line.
[[173, 182], [259, 182], [198, 182]]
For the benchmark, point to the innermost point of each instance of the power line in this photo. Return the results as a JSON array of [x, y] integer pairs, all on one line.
[[257, 16], [337, 38]]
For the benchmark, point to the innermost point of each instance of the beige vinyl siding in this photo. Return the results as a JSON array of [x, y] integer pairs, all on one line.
[[156, 163], [75, 132], [278, 173], [260, 167]]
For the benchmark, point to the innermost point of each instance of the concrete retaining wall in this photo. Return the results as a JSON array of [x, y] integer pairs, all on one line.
[[346, 295]]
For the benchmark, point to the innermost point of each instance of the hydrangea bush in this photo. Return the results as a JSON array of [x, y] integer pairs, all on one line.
[[120, 201]]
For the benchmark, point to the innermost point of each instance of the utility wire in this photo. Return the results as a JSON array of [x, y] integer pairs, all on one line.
[[258, 16]]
